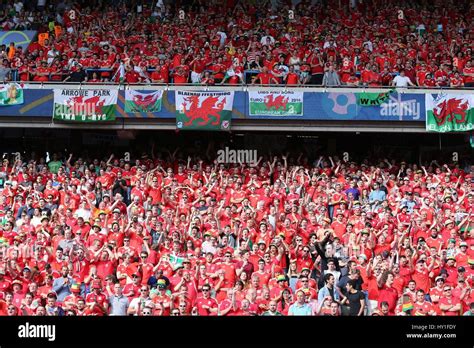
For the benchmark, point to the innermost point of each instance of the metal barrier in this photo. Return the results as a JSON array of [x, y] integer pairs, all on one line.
[[240, 87]]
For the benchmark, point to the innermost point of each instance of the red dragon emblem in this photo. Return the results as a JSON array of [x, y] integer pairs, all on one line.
[[210, 107], [79, 105], [277, 103], [450, 110], [144, 102]]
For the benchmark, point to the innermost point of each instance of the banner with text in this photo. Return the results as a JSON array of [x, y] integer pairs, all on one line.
[[85, 105], [275, 103], [136, 101], [446, 112], [11, 94], [371, 99], [204, 110]]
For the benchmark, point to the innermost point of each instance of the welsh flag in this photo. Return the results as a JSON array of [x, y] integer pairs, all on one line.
[[449, 112], [204, 110], [275, 103], [85, 105], [136, 101], [11, 94], [373, 99]]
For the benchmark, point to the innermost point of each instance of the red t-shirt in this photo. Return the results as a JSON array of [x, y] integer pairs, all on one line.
[[453, 301]]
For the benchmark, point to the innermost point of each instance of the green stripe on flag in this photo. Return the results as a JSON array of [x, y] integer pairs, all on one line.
[[291, 109], [133, 107], [107, 114]]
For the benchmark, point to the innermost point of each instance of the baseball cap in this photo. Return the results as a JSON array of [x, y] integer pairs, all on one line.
[[161, 284]]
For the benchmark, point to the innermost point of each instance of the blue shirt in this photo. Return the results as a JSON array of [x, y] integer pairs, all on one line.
[[377, 195], [62, 290], [296, 309], [409, 204], [324, 291]]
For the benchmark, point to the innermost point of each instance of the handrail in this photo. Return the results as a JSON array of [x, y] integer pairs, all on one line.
[[236, 87]]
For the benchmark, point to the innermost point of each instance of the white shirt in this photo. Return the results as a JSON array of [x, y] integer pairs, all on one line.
[[263, 40], [18, 6], [401, 81], [327, 44], [223, 37], [83, 213], [139, 303], [207, 247]]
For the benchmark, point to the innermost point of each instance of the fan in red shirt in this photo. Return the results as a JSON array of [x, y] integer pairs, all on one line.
[[265, 78], [131, 76], [468, 73], [42, 72], [97, 301], [181, 73], [205, 304], [387, 293], [448, 303], [292, 78]]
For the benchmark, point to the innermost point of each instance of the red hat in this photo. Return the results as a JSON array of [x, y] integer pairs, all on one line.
[[229, 250], [96, 285]]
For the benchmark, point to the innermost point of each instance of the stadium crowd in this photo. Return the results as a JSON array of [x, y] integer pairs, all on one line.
[[354, 43], [176, 235]]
